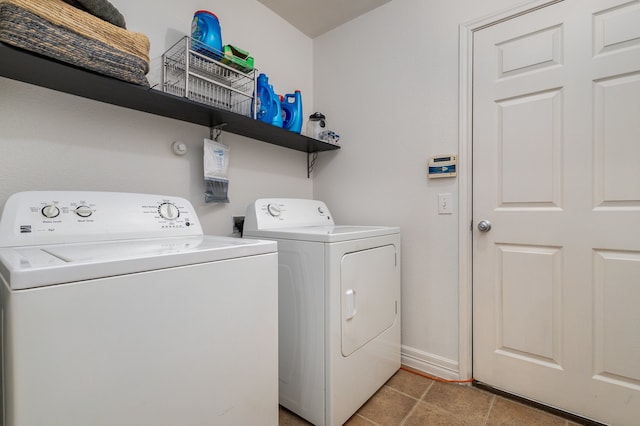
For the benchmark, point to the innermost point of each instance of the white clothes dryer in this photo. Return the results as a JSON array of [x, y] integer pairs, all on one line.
[[117, 310], [339, 307]]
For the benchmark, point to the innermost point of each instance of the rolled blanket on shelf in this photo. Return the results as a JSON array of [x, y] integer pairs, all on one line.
[[102, 9], [85, 24], [29, 31]]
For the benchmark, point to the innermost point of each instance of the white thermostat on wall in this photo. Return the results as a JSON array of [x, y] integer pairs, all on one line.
[[443, 166]]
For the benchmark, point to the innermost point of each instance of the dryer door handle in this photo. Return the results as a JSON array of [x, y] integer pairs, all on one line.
[[350, 304]]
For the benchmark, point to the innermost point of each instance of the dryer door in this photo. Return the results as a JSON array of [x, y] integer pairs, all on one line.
[[369, 288]]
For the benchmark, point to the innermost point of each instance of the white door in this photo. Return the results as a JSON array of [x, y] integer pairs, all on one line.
[[556, 171]]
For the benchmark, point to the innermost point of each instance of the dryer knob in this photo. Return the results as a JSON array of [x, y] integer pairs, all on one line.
[[50, 211], [274, 210], [168, 211], [84, 211]]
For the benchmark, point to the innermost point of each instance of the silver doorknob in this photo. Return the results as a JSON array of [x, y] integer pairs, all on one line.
[[484, 226]]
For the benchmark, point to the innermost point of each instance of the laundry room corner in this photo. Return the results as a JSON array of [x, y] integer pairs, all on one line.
[[396, 110]]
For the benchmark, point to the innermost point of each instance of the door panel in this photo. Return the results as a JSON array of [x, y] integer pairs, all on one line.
[[368, 292], [556, 170], [617, 291], [528, 52], [616, 103], [530, 303], [529, 145]]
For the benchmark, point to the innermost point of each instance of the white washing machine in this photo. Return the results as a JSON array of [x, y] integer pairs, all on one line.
[[117, 310], [339, 307]]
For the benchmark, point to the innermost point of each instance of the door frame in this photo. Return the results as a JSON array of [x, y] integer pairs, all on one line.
[[465, 185]]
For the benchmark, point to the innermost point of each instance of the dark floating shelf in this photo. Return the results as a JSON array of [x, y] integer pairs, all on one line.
[[18, 64]]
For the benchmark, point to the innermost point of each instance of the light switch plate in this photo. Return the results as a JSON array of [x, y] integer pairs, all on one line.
[[445, 203]]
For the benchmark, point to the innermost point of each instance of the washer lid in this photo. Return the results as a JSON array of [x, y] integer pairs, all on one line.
[[325, 234], [38, 266]]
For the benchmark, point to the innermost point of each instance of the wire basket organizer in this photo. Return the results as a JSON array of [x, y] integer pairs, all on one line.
[[190, 70]]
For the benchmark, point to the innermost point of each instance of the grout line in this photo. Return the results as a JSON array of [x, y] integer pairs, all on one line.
[[368, 419], [426, 391], [406, 418], [486, 418], [406, 394], [415, 406], [398, 392]]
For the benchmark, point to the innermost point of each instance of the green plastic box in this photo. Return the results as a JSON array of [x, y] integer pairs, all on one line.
[[237, 58]]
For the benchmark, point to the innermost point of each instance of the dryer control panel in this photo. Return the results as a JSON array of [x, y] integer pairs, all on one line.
[[274, 213], [52, 217]]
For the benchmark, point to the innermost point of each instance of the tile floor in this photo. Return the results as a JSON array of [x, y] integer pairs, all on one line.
[[409, 399]]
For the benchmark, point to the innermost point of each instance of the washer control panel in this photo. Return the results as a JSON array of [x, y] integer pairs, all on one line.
[[43, 217], [272, 213]]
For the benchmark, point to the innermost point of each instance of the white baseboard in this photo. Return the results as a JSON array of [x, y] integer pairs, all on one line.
[[431, 364]]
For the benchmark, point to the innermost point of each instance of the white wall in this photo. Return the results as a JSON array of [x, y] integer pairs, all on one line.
[[388, 83], [50, 140]]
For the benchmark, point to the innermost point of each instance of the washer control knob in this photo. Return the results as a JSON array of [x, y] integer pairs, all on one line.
[[50, 211], [168, 211], [321, 210], [84, 211], [274, 210]]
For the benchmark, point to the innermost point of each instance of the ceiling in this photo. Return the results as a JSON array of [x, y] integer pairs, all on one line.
[[316, 17]]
